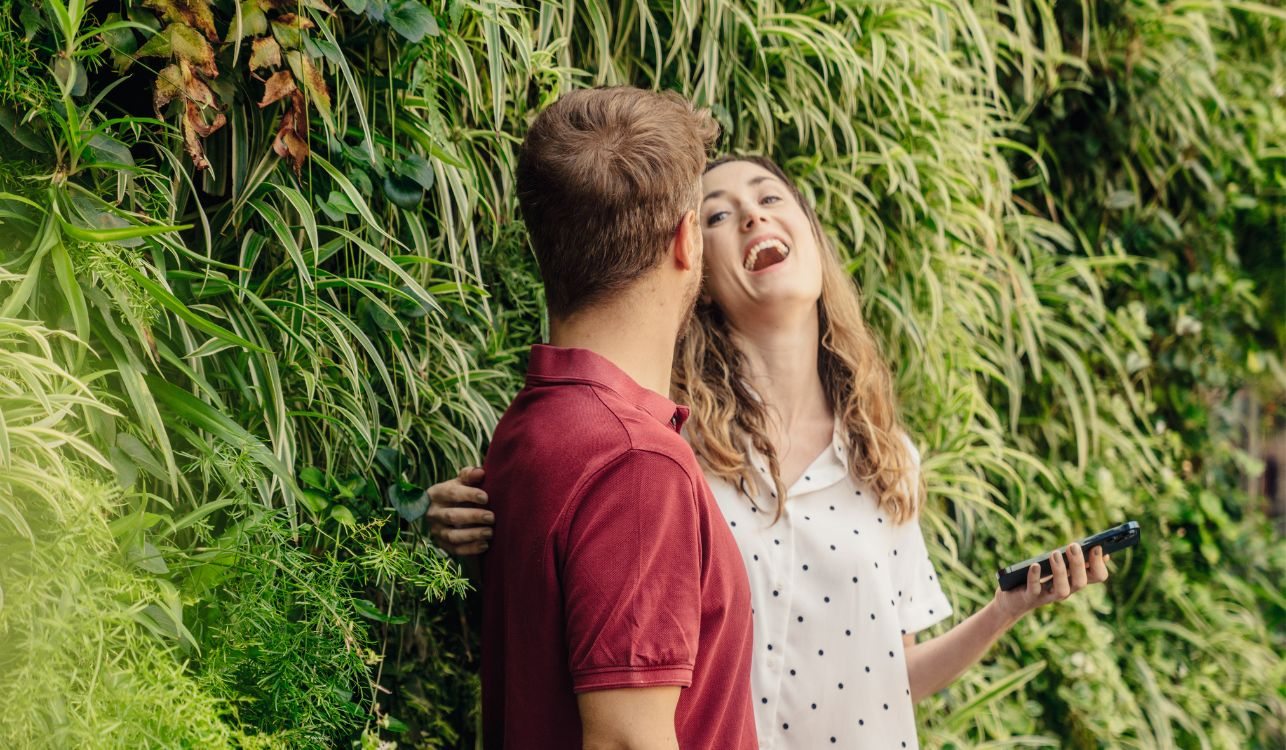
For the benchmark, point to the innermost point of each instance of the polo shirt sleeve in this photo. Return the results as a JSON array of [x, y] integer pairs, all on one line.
[[630, 567]]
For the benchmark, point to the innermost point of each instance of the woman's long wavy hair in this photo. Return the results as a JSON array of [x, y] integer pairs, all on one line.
[[710, 376]]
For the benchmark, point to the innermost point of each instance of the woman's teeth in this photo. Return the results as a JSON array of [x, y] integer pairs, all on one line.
[[769, 252]]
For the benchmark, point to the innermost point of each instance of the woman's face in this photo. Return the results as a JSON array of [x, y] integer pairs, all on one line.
[[761, 258]]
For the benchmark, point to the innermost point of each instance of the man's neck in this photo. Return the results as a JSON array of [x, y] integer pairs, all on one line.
[[782, 359], [636, 339]]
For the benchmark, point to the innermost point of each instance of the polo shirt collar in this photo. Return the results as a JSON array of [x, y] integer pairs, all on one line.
[[555, 364]]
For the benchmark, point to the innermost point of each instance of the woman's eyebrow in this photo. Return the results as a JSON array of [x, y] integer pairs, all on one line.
[[753, 182]]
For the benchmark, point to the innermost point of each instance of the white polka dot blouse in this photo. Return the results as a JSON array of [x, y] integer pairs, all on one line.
[[834, 586]]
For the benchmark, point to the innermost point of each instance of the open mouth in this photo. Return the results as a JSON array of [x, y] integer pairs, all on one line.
[[765, 253]]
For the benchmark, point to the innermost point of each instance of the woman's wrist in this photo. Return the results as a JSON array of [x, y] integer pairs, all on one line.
[[1000, 614]]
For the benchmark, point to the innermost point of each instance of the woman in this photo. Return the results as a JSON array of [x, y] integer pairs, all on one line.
[[795, 422]]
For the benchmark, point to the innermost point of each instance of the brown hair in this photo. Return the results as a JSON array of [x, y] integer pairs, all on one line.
[[728, 418], [604, 176]]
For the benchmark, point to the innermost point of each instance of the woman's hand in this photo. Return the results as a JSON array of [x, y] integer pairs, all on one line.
[[936, 663], [1070, 573], [457, 523]]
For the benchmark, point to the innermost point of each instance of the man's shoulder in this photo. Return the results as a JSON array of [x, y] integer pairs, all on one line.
[[587, 415]]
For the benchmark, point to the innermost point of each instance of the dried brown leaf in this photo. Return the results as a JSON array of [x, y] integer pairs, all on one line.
[[314, 84], [189, 45], [264, 53], [193, 88], [294, 21], [290, 142], [168, 84], [278, 85], [193, 118], [195, 13], [196, 150]]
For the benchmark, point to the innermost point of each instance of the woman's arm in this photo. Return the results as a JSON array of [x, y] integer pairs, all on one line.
[[458, 522], [936, 663]]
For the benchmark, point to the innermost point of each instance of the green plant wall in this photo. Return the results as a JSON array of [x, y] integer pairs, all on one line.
[[262, 281]]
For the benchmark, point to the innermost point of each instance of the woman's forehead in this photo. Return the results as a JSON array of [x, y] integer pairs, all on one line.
[[734, 175]]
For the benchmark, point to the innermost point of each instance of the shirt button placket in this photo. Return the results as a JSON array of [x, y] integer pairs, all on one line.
[[783, 577]]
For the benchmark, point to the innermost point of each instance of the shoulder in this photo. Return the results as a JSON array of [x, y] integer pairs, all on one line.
[[644, 468]]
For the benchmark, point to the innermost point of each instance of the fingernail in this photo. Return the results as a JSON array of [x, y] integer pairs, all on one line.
[[488, 533], [486, 547], [489, 517], [482, 497]]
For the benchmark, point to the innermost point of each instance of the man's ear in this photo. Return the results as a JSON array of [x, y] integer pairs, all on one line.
[[687, 247]]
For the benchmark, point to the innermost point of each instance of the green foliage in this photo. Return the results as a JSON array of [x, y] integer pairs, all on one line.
[[262, 281], [85, 659]]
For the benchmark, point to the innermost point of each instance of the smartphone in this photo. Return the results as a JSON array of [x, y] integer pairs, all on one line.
[[1112, 540]]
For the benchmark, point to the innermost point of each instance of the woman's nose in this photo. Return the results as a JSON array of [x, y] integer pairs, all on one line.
[[751, 218]]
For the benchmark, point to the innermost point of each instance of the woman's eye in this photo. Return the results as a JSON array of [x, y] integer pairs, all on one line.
[[715, 218], [770, 199]]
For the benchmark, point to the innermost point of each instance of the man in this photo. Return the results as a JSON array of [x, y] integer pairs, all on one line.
[[616, 610]]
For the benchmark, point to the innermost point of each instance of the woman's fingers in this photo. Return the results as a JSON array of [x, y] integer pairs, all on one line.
[[458, 537], [1076, 571], [472, 476], [457, 491], [1060, 588], [1098, 565], [1033, 581], [456, 517]]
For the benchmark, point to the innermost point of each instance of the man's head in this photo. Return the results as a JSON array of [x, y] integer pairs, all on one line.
[[608, 182]]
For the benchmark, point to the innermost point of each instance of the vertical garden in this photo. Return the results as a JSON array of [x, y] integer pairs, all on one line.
[[261, 281]]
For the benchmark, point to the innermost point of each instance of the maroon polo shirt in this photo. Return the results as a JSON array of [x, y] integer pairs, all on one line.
[[611, 565]]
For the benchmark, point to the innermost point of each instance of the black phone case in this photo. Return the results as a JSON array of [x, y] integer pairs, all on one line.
[[1112, 540]]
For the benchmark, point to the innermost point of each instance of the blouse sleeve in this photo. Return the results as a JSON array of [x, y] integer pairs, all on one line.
[[921, 601]]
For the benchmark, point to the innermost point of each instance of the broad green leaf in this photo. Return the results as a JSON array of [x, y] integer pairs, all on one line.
[[416, 168], [413, 20], [404, 192], [343, 515]]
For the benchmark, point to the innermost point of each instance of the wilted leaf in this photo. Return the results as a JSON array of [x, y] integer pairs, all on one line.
[[199, 104], [191, 46], [290, 142], [412, 20], [194, 13], [157, 45], [314, 84], [278, 86], [253, 22], [357, 6], [196, 120], [168, 83], [286, 29], [264, 53]]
